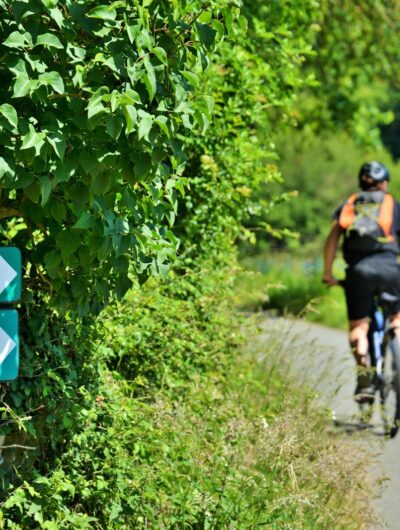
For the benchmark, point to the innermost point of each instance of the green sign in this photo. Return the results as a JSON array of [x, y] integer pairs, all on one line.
[[9, 344], [10, 274]]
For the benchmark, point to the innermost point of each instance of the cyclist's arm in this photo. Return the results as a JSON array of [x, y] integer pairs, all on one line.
[[330, 249]]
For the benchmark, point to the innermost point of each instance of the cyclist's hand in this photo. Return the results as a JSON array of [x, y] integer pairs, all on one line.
[[329, 280]]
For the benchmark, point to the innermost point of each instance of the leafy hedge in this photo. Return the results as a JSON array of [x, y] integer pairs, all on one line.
[[108, 434], [93, 98]]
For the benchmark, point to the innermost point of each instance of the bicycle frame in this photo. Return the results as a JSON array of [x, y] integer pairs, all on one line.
[[380, 332]]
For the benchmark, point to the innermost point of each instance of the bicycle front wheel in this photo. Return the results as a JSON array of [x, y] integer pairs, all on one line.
[[390, 390]]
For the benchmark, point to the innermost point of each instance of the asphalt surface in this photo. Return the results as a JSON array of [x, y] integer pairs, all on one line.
[[321, 358]]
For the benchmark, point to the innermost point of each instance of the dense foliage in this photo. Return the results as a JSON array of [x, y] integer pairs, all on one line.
[[93, 97], [355, 66]]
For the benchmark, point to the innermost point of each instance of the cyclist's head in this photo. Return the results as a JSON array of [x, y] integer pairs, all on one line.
[[371, 174]]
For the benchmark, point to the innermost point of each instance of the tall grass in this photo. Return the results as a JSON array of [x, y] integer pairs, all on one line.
[[291, 285]]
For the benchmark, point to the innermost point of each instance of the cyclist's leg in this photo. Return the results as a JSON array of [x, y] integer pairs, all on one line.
[[358, 338], [359, 290], [395, 321], [359, 301], [395, 324]]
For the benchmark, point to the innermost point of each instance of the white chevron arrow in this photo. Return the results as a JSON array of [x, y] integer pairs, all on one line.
[[6, 345], [7, 274]]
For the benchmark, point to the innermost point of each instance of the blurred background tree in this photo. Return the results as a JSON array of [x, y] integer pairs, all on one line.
[[344, 116]]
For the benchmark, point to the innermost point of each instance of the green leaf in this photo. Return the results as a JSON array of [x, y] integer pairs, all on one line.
[[187, 123], [58, 142], [162, 122], [133, 30], [143, 166], [149, 79], [191, 77], [88, 161], [45, 189], [228, 19], [145, 125], [17, 40], [9, 112], [117, 4], [85, 221], [49, 3], [95, 105], [4, 167], [130, 97], [123, 285], [68, 241], [114, 126], [184, 106], [49, 40], [63, 172], [219, 28], [33, 139], [102, 12], [101, 184], [161, 54], [53, 79], [206, 103], [131, 118], [207, 34], [36, 64], [52, 259], [79, 195], [58, 211], [22, 85], [116, 509], [57, 16], [33, 191], [243, 23]]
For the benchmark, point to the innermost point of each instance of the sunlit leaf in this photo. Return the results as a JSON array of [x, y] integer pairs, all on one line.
[[49, 40], [9, 112]]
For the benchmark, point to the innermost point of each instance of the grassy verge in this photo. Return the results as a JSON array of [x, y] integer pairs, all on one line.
[[250, 451], [291, 285], [189, 429], [244, 449]]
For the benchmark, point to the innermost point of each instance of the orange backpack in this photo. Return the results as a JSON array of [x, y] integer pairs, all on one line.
[[367, 218]]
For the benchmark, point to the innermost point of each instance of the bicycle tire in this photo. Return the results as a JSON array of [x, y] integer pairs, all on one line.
[[390, 391]]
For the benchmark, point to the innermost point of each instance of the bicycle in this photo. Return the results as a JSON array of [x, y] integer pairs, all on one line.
[[384, 354]]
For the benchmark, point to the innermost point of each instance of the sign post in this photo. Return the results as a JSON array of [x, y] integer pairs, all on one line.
[[10, 292]]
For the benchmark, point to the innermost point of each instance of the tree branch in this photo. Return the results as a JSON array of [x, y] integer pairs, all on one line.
[[9, 212]]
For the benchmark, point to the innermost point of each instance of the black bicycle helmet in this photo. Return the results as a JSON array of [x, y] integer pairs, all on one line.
[[372, 172]]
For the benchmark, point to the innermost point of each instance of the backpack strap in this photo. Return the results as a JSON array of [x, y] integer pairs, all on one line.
[[346, 217], [385, 218]]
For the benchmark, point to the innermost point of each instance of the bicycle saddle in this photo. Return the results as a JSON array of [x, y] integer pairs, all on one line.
[[388, 298]]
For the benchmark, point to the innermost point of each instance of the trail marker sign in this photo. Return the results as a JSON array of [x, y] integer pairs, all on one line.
[[9, 344], [10, 275], [10, 292]]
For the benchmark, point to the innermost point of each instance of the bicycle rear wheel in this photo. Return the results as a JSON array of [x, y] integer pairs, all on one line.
[[390, 389]]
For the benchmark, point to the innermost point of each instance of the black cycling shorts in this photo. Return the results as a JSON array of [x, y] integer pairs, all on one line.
[[367, 278]]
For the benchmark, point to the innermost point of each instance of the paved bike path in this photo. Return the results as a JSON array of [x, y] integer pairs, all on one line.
[[320, 357]]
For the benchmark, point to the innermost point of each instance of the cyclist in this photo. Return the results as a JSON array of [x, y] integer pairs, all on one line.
[[369, 224]]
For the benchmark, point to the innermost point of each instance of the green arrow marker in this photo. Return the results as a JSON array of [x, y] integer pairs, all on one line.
[[10, 274], [9, 345]]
